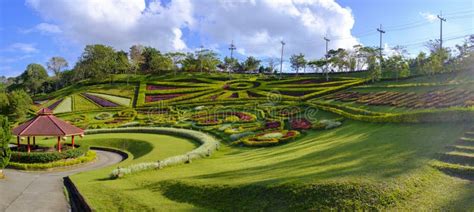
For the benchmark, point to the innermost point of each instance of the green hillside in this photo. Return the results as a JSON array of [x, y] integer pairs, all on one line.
[[291, 144]]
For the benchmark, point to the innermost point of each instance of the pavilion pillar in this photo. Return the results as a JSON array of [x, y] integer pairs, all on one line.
[[29, 147], [72, 139], [18, 143], [59, 143]]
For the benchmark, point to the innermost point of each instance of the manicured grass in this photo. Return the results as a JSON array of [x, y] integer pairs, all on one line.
[[359, 165], [142, 148], [373, 154], [65, 106], [82, 104]]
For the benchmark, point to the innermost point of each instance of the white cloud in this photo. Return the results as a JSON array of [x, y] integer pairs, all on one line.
[[257, 27], [120, 23], [48, 28], [429, 16], [43, 28], [22, 47]]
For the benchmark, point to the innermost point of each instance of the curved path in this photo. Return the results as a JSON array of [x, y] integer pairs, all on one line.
[[43, 191]]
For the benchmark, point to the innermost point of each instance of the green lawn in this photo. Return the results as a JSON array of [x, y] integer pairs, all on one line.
[[395, 156]]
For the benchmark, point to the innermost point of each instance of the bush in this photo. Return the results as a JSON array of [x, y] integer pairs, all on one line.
[[5, 136], [89, 156], [48, 157], [104, 116]]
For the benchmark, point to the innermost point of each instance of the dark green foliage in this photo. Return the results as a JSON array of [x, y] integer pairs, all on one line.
[[47, 157], [15, 104], [5, 136]]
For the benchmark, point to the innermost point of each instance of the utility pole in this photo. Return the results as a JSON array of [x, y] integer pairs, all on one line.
[[441, 19], [200, 57], [231, 48], [327, 56], [281, 58], [380, 48], [327, 42]]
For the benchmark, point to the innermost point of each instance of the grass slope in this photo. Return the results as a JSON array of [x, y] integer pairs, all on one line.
[[390, 159], [142, 148]]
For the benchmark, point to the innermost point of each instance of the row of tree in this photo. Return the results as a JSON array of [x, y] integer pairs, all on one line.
[[101, 62]]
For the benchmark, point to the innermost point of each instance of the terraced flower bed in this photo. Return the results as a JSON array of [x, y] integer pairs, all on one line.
[[160, 87], [160, 97], [55, 104], [100, 101], [432, 99]]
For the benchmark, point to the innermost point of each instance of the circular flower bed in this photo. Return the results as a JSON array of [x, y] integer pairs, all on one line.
[[104, 116], [239, 85]]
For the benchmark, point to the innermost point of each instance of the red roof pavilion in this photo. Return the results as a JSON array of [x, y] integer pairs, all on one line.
[[46, 124]]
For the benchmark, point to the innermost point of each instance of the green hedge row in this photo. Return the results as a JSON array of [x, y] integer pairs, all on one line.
[[89, 156], [428, 116], [48, 157]]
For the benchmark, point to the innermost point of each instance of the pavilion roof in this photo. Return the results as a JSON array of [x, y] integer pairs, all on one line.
[[46, 124]]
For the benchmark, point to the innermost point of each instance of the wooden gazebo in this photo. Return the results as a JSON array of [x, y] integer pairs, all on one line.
[[46, 124]]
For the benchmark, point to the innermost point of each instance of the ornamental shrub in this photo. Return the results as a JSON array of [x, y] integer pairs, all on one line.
[[5, 136], [103, 116], [48, 157]]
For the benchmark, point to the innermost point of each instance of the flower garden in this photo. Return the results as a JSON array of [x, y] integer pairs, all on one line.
[[323, 135], [434, 99]]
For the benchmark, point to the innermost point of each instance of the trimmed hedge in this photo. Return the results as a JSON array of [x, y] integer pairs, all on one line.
[[428, 116], [48, 157], [89, 156], [208, 145]]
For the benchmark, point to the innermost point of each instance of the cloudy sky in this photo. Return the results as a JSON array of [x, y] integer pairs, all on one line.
[[35, 30]]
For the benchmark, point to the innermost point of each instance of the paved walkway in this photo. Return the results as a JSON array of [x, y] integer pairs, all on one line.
[[43, 191]]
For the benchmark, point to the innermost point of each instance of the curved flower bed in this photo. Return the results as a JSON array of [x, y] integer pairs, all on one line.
[[159, 97], [300, 124], [224, 117], [270, 138], [208, 145]]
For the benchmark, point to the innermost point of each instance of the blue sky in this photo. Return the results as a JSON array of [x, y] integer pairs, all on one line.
[[32, 31]]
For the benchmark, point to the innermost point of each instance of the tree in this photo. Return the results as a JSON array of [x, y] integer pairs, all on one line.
[[272, 63], [96, 62], [318, 65], [397, 63], [155, 61], [297, 61], [136, 57], [33, 77], [55, 64], [206, 60], [177, 58], [232, 64], [5, 136], [250, 64], [19, 104], [374, 69]]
